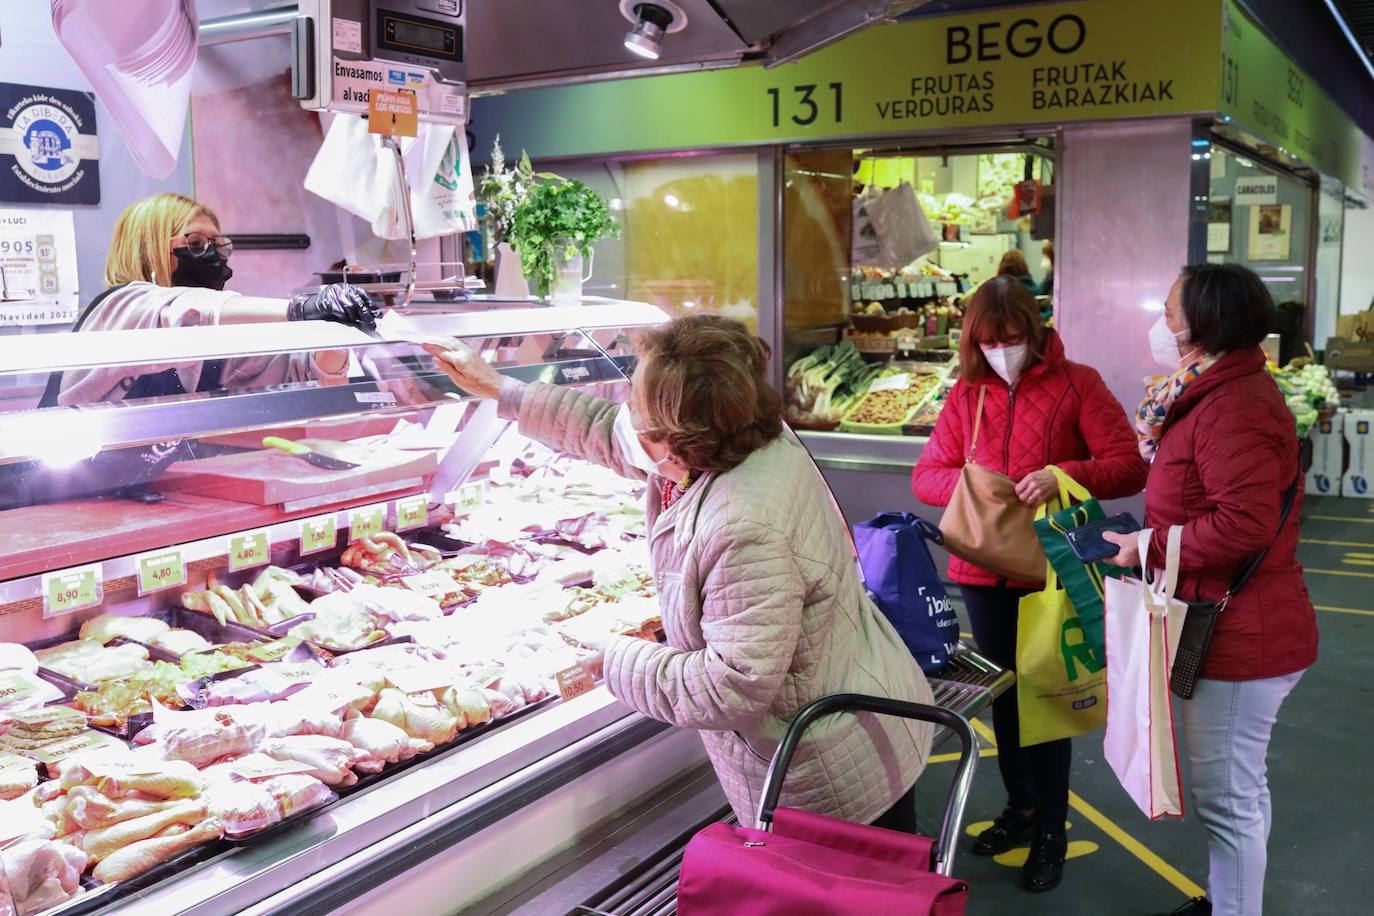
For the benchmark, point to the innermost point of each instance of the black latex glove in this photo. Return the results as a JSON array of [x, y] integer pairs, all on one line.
[[341, 302]]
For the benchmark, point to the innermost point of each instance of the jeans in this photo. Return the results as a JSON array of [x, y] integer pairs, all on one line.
[[1226, 728], [1036, 777]]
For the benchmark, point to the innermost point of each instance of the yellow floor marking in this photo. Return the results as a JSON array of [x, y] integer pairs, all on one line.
[[1337, 572], [946, 758], [978, 827], [970, 635], [1335, 543], [1350, 562], [1135, 847], [1128, 842], [1340, 518], [1017, 857], [1343, 610]]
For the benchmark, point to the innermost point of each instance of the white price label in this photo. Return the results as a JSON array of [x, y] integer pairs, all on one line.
[[900, 382]]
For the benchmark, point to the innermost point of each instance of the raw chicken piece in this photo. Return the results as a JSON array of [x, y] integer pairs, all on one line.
[[107, 840], [137, 858], [330, 758], [200, 736], [297, 792], [381, 743], [92, 809], [420, 716], [243, 807], [42, 873], [153, 778], [17, 656]]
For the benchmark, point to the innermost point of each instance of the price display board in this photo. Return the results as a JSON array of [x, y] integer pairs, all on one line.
[[69, 590], [412, 512], [248, 550], [159, 569], [319, 533], [366, 521]]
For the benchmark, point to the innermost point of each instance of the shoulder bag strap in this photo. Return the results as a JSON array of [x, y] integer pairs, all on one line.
[[1248, 569], [977, 421]]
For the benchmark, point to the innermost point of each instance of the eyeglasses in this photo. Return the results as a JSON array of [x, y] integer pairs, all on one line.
[[198, 243]]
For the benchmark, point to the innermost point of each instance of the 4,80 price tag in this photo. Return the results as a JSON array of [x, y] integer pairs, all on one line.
[[72, 590], [318, 534], [412, 512], [248, 549], [159, 569], [366, 521]]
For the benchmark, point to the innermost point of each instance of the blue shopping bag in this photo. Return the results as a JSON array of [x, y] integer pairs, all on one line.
[[905, 585]]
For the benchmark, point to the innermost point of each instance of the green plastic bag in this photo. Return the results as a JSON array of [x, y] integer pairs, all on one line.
[[1084, 582]]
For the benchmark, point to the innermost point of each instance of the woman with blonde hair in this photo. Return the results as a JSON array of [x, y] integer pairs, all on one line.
[[763, 611], [167, 267]]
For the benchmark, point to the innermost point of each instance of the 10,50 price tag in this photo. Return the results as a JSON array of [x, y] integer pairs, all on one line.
[[248, 549], [318, 534], [412, 512], [160, 569], [71, 590]]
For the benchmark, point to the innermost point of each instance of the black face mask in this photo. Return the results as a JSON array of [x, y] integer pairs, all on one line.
[[209, 270]]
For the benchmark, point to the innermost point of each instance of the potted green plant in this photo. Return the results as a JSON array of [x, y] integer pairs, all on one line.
[[504, 190], [557, 223]]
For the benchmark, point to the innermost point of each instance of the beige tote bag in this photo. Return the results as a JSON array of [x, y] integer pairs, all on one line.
[[987, 525]]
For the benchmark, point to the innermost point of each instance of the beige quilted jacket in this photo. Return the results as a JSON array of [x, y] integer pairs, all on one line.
[[764, 612]]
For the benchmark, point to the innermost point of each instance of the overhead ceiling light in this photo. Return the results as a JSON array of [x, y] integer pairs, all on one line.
[[650, 20]]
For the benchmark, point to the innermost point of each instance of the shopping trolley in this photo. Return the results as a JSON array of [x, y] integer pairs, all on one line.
[[797, 863]]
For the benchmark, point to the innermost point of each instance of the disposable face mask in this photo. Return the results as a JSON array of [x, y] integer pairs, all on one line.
[[209, 270], [1164, 343], [1006, 361], [633, 449]]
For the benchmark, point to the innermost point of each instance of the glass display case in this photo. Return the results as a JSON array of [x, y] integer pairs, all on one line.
[[171, 509]]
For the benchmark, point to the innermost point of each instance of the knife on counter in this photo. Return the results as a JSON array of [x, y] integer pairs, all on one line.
[[306, 453]]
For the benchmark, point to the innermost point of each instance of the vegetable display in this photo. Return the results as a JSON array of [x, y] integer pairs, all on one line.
[[829, 381]]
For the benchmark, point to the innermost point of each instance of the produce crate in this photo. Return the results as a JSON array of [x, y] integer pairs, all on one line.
[[894, 427]]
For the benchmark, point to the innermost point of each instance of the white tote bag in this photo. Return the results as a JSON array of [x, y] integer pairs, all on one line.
[[1142, 622]]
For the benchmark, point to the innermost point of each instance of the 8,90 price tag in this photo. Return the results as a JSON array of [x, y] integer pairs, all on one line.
[[366, 521], [159, 569], [248, 549], [412, 512], [318, 534], [72, 590]]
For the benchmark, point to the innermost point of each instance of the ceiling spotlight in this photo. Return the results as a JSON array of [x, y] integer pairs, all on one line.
[[650, 22]]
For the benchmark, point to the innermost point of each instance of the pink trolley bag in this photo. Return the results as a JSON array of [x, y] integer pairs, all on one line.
[[802, 864]]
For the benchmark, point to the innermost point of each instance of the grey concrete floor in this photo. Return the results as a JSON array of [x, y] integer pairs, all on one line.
[[1319, 776]]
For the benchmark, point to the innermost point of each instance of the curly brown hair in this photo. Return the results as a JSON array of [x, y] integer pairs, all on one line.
[[701, 389]]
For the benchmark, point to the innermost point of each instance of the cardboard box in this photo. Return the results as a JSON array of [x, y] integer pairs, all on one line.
[[1351, 355], [1358, 479], [1328, 457]]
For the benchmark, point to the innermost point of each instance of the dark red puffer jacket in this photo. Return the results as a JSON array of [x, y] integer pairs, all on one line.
[[1060, 413], [1228, 453]]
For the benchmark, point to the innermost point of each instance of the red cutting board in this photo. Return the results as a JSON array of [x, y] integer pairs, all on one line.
[[271, 476]]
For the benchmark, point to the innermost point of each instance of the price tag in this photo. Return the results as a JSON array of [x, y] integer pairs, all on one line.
[[117, 766], [160, 569], [275, 650], [318, 533], [907, 346], [366, 521], [482, 677], [412, 512], [855, 291], [899, 382], [12, 765], [248, 549], [263, 767], [72, 590], [900, 287], [574, 681], [467, 497], [887, 291], [422, 678], [432, 584], [16, 687]]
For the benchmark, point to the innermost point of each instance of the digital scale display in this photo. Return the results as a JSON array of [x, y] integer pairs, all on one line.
[[415, 35]]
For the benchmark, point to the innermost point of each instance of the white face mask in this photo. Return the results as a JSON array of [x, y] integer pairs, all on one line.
[[633, 449], [1006, 361], [1164, 343]]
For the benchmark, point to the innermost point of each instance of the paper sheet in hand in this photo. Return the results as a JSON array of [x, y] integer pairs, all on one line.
[[395, 326]]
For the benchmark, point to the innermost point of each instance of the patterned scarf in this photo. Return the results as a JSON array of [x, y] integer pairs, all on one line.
[[672, 492], [1160, 394]]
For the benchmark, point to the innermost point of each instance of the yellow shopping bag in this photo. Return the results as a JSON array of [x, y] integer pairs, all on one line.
[[1061, 685]]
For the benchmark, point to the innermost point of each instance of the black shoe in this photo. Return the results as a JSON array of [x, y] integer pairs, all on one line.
[[1011, 829], [1198, 906], [1045, 863]]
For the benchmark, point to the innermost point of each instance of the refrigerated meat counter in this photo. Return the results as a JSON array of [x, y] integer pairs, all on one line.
[[499, 809]]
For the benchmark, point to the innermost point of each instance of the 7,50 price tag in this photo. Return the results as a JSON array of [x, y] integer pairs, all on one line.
[[159, 569], [72, 590], [318, 534], [248, 549]]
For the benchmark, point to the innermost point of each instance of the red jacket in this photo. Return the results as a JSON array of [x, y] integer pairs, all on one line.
[[1228, 453], [1060, 413]]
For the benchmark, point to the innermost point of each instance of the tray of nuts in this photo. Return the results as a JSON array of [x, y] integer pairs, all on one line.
[[885, 410]]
